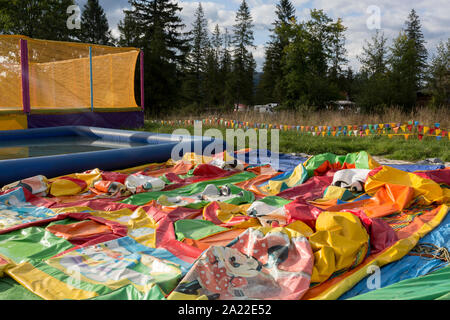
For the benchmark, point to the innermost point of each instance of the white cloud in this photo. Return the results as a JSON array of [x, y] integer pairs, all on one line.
[[259, 55], [433, 15], [214, 14], [114, 17], [263, 16]]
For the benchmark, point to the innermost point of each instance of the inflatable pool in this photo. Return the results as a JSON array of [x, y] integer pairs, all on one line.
[[62, 150]]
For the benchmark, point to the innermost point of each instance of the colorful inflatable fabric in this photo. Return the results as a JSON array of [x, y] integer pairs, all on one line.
[[217, 228]]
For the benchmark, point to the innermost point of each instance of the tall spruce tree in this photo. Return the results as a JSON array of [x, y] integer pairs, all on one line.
[[438, 80], [373, 93], [194, 83], [269, 78], [306, 64], [226, 68], [338, 52], [213, 84], [243, 61], [94, 25], [270, 88], [158, 29], [374, 56], [129, 31], [414, 33], [403, 71], [217, 42]]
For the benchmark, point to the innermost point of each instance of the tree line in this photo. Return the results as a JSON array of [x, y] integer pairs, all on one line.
[[305, 66]]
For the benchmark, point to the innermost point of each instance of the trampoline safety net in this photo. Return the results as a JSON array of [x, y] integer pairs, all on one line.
[[59, 75]]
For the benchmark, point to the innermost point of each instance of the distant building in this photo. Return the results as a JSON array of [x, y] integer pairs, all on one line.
[[265, 108], [239, 107]]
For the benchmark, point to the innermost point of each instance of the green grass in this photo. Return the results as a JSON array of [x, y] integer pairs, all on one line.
[[396, 148]]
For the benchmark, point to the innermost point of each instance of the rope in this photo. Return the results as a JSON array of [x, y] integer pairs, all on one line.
[[429, 250]]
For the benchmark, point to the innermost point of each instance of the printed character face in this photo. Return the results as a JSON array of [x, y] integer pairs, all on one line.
[[8, 213], [8, 217], [237, 263], [13, 201]]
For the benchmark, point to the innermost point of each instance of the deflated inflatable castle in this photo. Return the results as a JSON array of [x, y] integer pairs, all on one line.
[[217, 228]]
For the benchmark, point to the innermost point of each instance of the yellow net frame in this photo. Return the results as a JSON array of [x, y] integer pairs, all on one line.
[[59, 75]]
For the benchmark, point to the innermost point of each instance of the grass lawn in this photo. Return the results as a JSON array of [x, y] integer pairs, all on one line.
[[396, 148]]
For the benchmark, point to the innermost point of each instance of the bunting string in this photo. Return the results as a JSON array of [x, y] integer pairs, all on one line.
[[410, 130]]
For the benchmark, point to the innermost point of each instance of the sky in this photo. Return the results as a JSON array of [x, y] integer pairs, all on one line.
[[361, 17]]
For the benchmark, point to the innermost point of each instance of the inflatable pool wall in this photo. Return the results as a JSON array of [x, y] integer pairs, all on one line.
[[157, 148]]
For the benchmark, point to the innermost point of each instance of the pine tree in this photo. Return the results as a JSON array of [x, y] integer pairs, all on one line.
[[374, 57], [338, 51], [414, 33], [243, 61], [226, 68], [94, 25], [320, 37], [129, 32], [285, 12], [439, 75], [213, 82], [270, 88], [374, 91], [158, 31], [197, 59], [307, 63], [403, 70], [269, 78], [217, 42], [200, 41], [159, 19]]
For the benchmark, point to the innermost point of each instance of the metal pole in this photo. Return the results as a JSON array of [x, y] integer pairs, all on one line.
[[25, 76], [142, 80], [92, 82]]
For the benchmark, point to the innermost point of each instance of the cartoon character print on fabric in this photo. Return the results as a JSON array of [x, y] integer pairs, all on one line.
[[14, 210], [8, 218], [253, 266], [224, 273], [115, 264], [105, 265], [288, 260]]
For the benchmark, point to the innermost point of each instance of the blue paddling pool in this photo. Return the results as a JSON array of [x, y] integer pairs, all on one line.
[[58, 151]]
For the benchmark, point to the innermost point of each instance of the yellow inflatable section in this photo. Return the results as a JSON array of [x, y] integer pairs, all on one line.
[[13, 122], [340, 242], [274, 186], [425, 190]]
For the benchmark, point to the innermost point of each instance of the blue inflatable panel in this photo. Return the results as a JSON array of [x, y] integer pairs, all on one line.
[[125, 149], [289, 162], [409, 266], [416, 167], [286, 162]]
